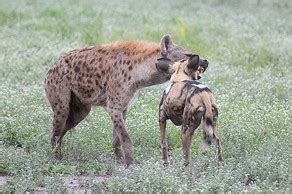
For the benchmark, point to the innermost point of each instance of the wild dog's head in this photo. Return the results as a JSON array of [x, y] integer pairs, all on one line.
[[185, 69]]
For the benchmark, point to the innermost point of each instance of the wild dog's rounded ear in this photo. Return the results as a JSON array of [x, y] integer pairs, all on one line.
[[165, 44], [193, 62], [163, 65], [215, 110]]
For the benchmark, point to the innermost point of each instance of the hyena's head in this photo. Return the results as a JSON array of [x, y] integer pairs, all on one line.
[[171, 51], [185, 69]]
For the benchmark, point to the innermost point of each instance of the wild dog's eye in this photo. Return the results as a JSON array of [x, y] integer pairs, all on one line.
[[183, 60]]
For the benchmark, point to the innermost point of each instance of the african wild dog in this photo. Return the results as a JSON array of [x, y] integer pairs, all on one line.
[[108, 75], [186, 102]]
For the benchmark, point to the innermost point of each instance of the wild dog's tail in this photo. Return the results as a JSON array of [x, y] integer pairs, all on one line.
[[207, 120]]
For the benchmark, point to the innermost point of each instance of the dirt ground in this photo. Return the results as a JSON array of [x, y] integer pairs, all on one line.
[[3, 181], [73, 184]]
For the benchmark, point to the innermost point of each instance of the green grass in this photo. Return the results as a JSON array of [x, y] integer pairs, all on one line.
[[248, 45]]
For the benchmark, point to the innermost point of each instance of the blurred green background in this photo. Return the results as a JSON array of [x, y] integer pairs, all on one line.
[[248, 44]]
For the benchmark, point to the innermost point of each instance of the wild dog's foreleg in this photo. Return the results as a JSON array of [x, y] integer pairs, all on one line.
[[164, 146], [121, 131], [162, 127]]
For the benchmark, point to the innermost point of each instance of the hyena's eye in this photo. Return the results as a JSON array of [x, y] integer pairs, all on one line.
[[188, 54], [183, 60]]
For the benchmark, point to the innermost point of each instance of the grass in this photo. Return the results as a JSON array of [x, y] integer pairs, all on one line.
[[248, 45]]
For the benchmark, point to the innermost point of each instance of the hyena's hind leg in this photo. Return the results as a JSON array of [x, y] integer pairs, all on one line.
[[76, 113], [60, 106]]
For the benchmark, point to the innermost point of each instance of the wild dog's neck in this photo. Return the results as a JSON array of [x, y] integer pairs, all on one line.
[[179, 77], [179, 74]]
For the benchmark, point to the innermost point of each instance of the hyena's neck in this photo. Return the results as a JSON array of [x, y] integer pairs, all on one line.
[[147, 74]]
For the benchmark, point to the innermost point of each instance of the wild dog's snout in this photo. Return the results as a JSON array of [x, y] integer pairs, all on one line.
[[204, 63]]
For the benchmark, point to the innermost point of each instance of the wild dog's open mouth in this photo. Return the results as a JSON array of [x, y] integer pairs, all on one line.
[[200, 71]]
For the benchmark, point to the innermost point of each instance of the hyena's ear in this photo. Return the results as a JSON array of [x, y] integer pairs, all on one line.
[[164, 65], [193, 62], [165, 44]]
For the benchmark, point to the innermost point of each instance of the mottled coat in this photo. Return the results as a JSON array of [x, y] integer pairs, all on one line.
[[186, 103]]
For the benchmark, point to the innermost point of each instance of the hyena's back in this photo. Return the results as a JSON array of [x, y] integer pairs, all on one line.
[[90, 72]]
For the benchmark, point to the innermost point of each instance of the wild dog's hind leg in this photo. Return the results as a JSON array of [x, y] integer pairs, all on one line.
[[217, 142], [219, 156], [191, 121], [187, 135]]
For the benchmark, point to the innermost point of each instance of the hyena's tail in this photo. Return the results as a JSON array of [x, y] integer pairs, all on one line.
[[207, 120]]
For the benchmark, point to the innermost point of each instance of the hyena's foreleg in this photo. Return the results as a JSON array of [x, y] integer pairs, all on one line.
[[121, 131], [116, 143]]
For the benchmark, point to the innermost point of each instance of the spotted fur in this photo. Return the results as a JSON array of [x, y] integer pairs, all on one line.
[[107, 75]]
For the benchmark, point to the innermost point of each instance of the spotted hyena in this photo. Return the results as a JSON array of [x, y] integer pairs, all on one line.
[[107, 75], [187, 102]]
